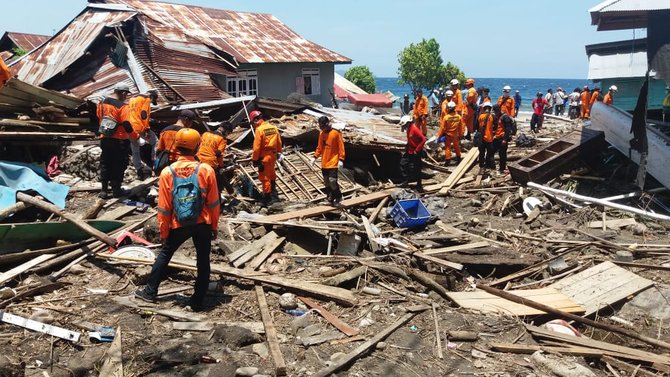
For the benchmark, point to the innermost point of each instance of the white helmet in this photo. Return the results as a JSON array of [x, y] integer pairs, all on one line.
[[507, 88], [454, 82], [614, 88], [405, 119], [451, 105], [486, 104], [451, 92]]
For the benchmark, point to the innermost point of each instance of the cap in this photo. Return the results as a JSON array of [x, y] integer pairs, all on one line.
[[120, 87], [614, 88], [187, 114], [486, 104], [451, 105], [449, 92], [559, 88], [470, 81], [539, 94], [507, 88], [454, 82], [517, 91], [405, 119]]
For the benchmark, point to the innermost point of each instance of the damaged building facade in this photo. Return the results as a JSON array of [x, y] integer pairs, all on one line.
[[188, 53]]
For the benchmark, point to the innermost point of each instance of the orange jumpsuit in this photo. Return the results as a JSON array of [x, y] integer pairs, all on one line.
[[609, 99], [166, 141], [585, 111], [4, 73], [452, 126], [119, 111], [469, 109], [267, 144], [140, 109], [508, 106], [330, 148], [212, 147], [421, 108], [458, 100], [184, 167], [444, 110]]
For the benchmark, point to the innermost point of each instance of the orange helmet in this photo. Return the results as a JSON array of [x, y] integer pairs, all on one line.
[[187, 138], [254, 115], [470, 82]]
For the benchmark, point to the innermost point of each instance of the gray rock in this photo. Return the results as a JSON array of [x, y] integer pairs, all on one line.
[[287, 301], [624, 256], [261, 350], [638, 229], [475, 203], [246, 371], [381, 345], [258, 232]]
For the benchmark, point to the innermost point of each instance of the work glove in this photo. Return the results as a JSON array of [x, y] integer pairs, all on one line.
[[340, 164], [141, 141], [280, 157]]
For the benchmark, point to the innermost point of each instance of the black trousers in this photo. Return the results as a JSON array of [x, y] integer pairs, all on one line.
[[114, 159], [201, 235], [536, 122], [410, 167], [486, 151], [330, 180], [501, 149], [559, 110]]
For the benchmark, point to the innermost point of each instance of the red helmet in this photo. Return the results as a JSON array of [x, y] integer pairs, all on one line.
[[255, 115]]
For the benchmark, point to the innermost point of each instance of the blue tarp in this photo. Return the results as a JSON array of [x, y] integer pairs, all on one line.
[[17, 176]]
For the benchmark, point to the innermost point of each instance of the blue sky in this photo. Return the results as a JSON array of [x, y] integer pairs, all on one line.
[[513, 38]]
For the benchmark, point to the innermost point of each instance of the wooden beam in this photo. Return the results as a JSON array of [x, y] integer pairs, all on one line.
[[268, 249], [56, 211], [456, 174], [330, 317], [371, 236], [439, 261], [628, 368], [18, 270], [449, 249], [320, 210], [14, 208], [586, 321], [380, 206], [531, 348], [363, 348], [271, 333], [113, 364]]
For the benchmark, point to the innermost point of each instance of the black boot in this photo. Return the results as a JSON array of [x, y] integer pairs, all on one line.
[[104, 192], [117, 191], [265, 200], [274, 195]]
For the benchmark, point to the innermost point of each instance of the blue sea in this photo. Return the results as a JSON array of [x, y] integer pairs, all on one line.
[[526, 87]]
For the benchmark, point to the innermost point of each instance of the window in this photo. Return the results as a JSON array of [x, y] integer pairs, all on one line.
[[244, 84], [310, 82]]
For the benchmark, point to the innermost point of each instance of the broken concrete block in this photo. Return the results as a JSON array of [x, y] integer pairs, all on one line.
[[246, 371], [624, 256], [258, 232]]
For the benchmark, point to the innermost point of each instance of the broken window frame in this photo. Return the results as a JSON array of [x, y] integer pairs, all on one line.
[[311, 78], [245, 83]]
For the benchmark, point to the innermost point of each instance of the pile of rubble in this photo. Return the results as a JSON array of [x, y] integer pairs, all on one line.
[[493, 272]]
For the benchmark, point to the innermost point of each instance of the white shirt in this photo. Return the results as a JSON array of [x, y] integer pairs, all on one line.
[[574, 98], [559, 97]]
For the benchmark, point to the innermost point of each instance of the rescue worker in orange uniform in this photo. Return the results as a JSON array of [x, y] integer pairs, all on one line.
[[452, 124], [609, 97], [330, 149], [211, 151], [266, 151], [585, 98], [4, 73], [506, 102], [595, 96], [503, 127], [458, 96], [470, 107], [116, 145], [140, 113], [166, 141], [448, 97], [202, 229], [421, 111], [486, 129]]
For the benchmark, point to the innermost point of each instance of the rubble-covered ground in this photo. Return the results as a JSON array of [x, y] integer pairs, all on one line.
[[392, 282]]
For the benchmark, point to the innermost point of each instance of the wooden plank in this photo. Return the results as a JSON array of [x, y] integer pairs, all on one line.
[[371, 236], [113, 364], [531, 348], [363, 348], [378, 209], [117, 213], [449, 249], [530, 269], [488, 303], [320, 210], [256, 327], [267, 251], [437, 333], [256, 249], [271, 333], [179, 315], [439, 261], [339, 295], [330, 317], [457, 174], [345, 276], [18, 270], [607, 348], [614, 223], [628, 368], [601, 286]]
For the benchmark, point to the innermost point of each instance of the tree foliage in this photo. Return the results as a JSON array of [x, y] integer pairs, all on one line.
[[18, 51], [362, 77], [421, 66]]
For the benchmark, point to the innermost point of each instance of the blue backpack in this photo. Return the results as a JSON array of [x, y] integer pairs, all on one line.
[[186, 197]]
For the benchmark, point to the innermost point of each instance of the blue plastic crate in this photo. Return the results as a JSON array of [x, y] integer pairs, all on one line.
[[409, 213]]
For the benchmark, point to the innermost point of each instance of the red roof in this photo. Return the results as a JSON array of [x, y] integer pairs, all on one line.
[[27, 42], [373, 100]]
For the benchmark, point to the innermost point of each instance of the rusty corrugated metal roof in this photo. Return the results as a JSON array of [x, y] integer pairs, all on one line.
[[27, 42], [625, 14], [249, 37]]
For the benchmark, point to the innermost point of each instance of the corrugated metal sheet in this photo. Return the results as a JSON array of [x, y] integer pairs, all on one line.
[[27, 42], [625, 14], [67, 46], [249, 37], [617, 65]]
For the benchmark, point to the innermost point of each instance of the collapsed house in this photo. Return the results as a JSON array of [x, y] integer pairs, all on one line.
[[13, 45], [189, 53]]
